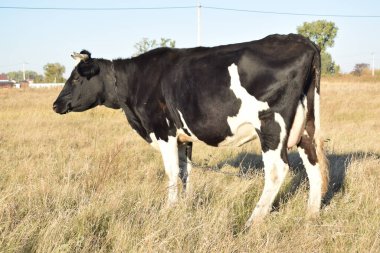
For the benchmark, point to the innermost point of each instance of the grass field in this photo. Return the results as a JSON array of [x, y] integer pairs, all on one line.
[[84, 182]]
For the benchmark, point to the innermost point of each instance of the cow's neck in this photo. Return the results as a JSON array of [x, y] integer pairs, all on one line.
[[110, 99], [122, 81], [122, 88]]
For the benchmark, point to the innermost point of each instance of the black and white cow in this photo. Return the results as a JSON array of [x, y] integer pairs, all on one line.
[[225, 95]]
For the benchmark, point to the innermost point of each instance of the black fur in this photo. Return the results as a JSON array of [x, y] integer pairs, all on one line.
[[88, 68], [84, 51]]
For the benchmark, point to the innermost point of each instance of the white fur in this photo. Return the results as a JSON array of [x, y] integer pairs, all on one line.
[[154, 142], [275, 172], [315, 181], [244, 123], [169, 152]]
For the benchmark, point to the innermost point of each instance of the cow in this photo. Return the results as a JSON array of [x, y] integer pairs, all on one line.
[[223, 96]]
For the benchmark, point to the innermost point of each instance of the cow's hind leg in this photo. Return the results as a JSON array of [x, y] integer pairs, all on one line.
[[184, 155], [309, 158], [314, 165], [311, 151], [272, 135], [169, 152]]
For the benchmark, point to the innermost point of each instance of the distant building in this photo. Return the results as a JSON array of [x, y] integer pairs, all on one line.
[[7, 84], [3, 77]]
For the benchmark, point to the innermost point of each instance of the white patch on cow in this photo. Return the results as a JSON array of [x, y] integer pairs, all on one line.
[[181, 131], [168, 122], [169, 152], [244, 123], [315, 181], [154, 142], [275, 172], [280, 120], [305, 104], [297, 126]]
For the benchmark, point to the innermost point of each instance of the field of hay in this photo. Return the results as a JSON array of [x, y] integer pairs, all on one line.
[[84, 182]]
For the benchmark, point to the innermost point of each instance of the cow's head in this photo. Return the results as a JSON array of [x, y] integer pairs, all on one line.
[[84, 89]]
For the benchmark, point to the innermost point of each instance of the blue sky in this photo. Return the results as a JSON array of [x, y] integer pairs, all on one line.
[[46, 36]]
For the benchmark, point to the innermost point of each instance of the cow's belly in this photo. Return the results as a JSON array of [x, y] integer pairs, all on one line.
[[243, 134]]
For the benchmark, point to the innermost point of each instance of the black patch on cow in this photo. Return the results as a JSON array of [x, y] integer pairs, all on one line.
[[203, 96], [307, 144], [269, 132], [186, 131], [135, 123], [88, 69], [84, 51]]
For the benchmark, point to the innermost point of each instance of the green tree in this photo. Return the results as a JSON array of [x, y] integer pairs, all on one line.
[[54, 73], [322, 33], [19, 75], [15, 75], [145, 44], [38, 78], [328, 65]]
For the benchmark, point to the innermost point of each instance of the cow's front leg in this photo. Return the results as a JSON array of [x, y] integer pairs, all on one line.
[[184, 154], [169, 152]]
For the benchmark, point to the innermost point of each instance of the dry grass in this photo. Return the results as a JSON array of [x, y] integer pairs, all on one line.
[[84, 182], [366, 76]]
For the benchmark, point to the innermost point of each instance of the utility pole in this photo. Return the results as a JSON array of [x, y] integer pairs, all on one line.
[[373, 64], [23, 71], [199, 6]]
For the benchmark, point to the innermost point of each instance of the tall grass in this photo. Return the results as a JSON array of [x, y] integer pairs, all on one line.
[[84, 182]]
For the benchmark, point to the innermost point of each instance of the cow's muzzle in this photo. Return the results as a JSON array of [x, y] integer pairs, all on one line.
[[62, 109]]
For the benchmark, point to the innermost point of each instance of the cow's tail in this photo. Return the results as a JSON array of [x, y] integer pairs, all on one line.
[[317, 138]]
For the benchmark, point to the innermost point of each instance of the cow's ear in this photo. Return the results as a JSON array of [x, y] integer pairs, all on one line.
[[88, 69], [84, 55]]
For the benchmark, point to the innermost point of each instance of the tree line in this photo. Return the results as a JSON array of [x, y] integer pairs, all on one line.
[[53, 73]]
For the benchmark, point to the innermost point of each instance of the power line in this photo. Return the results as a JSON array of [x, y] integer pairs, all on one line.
[[95, 9], [186, 7], [292, 13]]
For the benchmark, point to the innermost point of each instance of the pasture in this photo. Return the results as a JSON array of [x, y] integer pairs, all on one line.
[[85, 182]]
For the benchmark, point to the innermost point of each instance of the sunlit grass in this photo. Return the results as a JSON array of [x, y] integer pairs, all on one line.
[[84, 182]]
